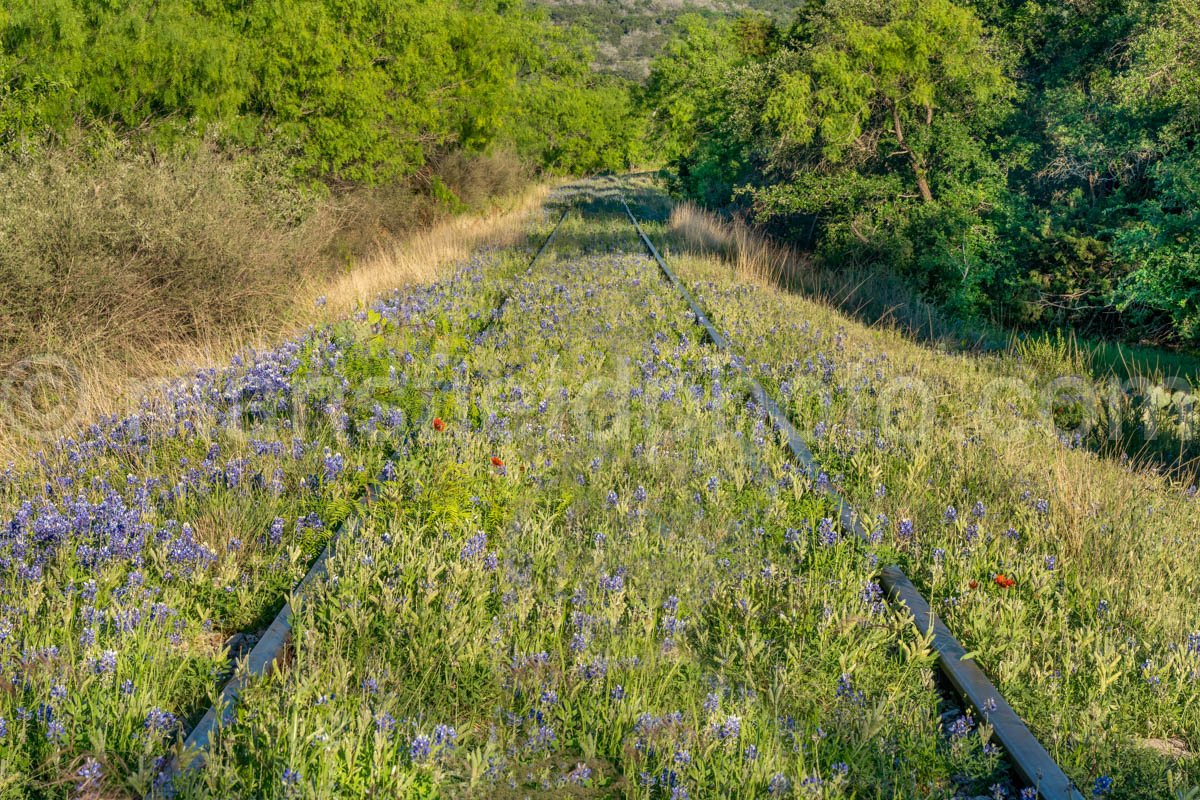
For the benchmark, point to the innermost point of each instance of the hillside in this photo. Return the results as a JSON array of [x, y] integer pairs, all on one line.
[[632, 32]]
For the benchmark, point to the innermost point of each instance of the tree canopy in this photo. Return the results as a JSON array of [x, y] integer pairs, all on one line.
[[345, 89], [1023, 162]]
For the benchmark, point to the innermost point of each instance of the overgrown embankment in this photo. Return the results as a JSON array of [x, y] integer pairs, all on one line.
[[123, 270], [178, 179]]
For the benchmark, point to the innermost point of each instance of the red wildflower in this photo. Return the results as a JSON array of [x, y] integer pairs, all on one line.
[[974, 584], [438, 425], [497, 462], [1005, 582]]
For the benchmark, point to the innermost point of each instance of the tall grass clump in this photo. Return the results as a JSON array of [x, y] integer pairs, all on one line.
[[119, 256], [873, 295], [123, 267]]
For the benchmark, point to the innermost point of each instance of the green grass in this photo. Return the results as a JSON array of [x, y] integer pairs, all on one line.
[[1096, 645], [652, 603], [602, 577]]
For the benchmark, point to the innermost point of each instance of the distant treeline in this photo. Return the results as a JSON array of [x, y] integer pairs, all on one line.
[[1029, 162], [343, 90]]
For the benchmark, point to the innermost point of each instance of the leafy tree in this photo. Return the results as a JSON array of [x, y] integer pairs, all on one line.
[[1025, 160], [346, 90], [883, 78]]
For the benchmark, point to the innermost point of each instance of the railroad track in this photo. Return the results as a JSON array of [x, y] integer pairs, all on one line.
[[1032, 763], [273, 643]]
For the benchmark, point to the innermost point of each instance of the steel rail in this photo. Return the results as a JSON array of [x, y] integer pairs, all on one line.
[[1030, 759], [270, 647]]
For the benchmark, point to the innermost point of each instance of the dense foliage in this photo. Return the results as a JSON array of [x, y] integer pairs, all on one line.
[[344, 89], [1033, 163]]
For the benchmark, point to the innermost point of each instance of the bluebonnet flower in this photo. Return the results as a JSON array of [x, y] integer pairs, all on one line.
[[846, 692], [751, 753], [711, 702], [1029, 793], [1051, 562], [826, 533], [1102, 607], [333, 465], [731, 728], [951, 515], [55, 732], [617, 693], [580, 775], [445, 736], [159, 721], [905, 530], [127, 687], [939, 555], [978, 511], [1042, 506], [474, 547], [872, 597], [962, 726], [639, 494], [612, 583], [679, 793], [3, 728], [841, 769], [611, 499], [385, 722], [275, 532], [369, 685], [778, 784], [1102, 787], [290, 776], [419, 749], [310, 522], [276, 486], [89, 774], [998, 792], [712, 483], [544, 737]]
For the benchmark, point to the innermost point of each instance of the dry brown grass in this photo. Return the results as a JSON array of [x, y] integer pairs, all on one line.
[[873, 296], [424, 256], [125, 275]]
